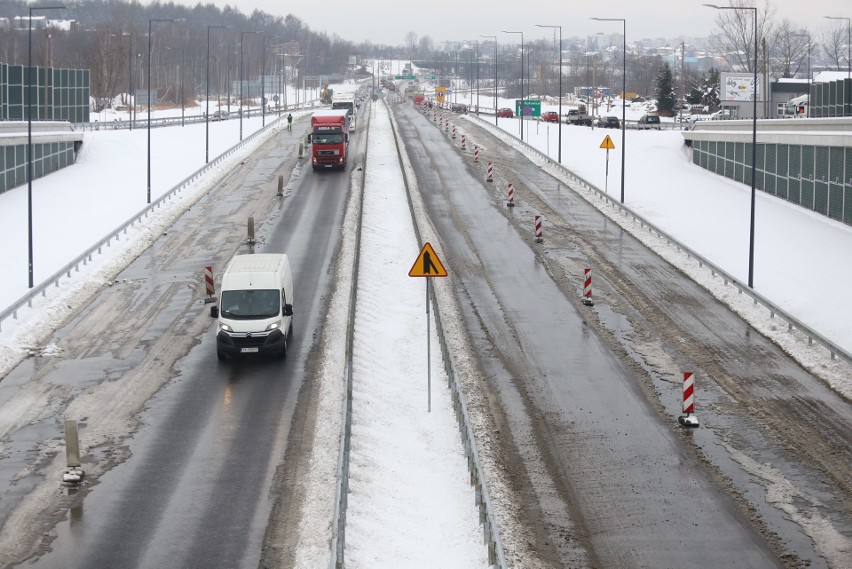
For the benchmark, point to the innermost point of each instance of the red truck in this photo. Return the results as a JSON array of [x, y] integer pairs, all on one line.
[[329, 139]]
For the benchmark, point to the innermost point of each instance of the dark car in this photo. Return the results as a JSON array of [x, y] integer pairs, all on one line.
[[505, 113], [649, 122], [611, 122], [550, 116]]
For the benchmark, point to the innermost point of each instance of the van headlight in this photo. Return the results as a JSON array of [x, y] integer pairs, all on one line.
[[224, 327], [274, 326]]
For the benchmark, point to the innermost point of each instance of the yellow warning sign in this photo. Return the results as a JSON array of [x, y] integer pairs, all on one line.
[[427, 264], [607, 143], [440, 94]]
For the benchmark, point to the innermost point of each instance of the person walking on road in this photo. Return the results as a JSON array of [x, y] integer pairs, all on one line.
[[289, 121]]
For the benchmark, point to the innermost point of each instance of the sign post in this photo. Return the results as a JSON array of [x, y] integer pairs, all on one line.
[[428, 265], [608, 144]]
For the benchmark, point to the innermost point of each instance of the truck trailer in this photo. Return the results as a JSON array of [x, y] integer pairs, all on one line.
[[329, 139]]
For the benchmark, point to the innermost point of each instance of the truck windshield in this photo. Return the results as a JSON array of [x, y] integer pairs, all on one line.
[[250, 304], [327, 138]]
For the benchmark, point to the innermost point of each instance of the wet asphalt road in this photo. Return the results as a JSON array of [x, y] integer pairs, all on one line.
[[604, 476], [195, 488]]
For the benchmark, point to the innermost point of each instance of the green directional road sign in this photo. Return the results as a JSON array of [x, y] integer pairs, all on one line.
[[404, 77], [429, 78], [529, 107]]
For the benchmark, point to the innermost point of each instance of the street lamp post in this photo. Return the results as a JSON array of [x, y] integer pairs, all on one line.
[[263, 81], [207, 100], [242, 35], [623, 92], [129, 74], [495, 75], [753, 141], [182, 104], [559, 122], [848, 42], [522, 80], [808, 35], [150, 24], [30, 93]]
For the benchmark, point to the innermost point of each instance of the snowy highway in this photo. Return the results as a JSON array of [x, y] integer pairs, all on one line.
[[192, 462]]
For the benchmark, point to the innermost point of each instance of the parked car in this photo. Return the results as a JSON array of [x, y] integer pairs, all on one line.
[[220, 116], [459, 108], [611, 122], [649, 121], [550, 116], [505, 113]]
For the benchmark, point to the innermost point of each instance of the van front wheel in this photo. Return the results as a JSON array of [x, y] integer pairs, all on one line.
[[283, 353]]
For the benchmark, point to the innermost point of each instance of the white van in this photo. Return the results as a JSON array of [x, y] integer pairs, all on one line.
[[255, 309]]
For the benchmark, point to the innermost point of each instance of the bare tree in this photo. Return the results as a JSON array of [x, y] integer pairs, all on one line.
[[411, 42], [833, 39], [735, 41], [790, 50], [425, 46]]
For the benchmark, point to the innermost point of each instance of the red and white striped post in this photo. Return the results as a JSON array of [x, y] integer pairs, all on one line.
[[688, 419], [208, 283], [490, 177], [688, 392], [511, 202], [475, 153], [447, 126], [463, 146], [454, 131], [538, 237], [587, 283]]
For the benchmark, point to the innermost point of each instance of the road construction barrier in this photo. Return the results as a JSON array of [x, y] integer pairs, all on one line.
[[454, 131], [250, 228], [208, 282], [511, 202], [538, 237], [463, 146], [490, 177], [475, 153], [688, 392]]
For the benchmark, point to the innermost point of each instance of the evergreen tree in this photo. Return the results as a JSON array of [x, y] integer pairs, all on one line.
[[666, 97]]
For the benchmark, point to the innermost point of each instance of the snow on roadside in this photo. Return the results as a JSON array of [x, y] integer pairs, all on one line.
[[410, 502]]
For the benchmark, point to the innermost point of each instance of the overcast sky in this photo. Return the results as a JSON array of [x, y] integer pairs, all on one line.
[[384, 22]]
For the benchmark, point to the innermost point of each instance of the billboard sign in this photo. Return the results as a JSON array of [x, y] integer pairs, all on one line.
[[738, 87]]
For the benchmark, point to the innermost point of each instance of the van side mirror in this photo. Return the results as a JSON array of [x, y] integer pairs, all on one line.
[[288, 310], [214, 312]]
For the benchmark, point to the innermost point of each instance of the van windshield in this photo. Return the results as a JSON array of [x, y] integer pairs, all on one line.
[[250, 304]]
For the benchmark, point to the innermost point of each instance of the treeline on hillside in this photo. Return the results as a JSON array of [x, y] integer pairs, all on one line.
[[110, 38]]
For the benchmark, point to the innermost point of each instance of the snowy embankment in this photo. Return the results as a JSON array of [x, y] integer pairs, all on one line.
[[410, 500]]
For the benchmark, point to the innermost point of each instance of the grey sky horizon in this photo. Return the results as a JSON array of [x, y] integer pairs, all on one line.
[[383, 22]]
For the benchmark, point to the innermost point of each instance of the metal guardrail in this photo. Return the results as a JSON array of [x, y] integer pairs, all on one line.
[[86, 257], [793, 323], [341, 503], [487, 518], [140, 123]]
